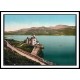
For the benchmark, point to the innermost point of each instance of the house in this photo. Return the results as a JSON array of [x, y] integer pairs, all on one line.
[[32, 41]]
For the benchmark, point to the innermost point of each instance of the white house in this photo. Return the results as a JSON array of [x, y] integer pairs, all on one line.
[[32, 40]]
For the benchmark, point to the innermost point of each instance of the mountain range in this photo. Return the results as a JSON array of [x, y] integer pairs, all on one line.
[[52, 30]]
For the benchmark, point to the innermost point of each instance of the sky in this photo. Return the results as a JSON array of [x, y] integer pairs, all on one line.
[[16, 22]]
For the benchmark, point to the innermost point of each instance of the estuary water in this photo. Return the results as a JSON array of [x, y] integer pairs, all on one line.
[[57, 49]]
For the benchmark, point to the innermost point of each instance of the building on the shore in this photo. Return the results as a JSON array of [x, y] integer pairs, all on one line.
[[32, 41]]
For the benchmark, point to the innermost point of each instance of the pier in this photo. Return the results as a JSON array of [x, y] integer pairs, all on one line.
[[36, 49]]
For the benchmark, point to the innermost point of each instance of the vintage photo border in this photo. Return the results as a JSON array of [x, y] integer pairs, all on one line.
[[40, 67]]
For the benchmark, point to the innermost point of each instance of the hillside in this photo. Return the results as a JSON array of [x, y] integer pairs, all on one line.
[[13, 58], [52, 30]]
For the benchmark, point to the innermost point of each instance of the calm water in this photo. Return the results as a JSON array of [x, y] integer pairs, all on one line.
[[57, 49]]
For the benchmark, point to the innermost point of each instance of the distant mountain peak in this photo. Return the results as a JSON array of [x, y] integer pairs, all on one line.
[[60, 27]]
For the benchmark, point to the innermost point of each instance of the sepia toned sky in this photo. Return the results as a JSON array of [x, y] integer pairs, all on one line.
[[16, 22]]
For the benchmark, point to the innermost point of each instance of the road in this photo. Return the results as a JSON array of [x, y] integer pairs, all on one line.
[[27, 54]]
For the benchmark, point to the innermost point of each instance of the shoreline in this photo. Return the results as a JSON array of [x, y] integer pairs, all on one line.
[[38, 35]]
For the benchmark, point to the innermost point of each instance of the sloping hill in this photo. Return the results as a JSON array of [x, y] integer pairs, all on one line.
[[52, 30]]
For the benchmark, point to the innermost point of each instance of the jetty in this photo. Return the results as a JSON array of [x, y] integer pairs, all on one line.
[[36, 49]]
